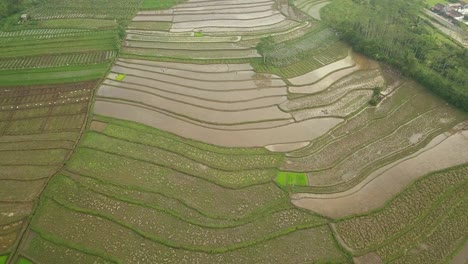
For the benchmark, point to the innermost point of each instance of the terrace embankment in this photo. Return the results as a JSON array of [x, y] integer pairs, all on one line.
[[39, 127], [228, 105]]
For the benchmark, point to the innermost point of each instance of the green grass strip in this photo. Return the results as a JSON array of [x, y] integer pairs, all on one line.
[[159, 5], [291, 179], [120, 77], [54, 75], [24, 261], [3, 259]]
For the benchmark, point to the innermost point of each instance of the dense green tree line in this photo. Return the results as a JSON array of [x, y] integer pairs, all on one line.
[[395, 31]]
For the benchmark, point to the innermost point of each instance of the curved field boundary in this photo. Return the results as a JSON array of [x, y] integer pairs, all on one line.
[[208, 17], [195, 95], [325, 82], [381, 184], [341, 130], [186, 213], [428, 134], [195, 68], [287, 146], [201, 54], [186, 46], [108, 90], [225, 9], [302, 131], [317, 75], [229, 81], [219, 4], [260, 125], [247, 29]]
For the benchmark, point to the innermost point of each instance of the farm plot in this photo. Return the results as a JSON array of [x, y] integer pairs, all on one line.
[[56, 9], [363, 80], [39, 131], [232, 97], [311, 7], [226, 16], [382, 181], [208, 30], [226, 224], [405, 140], [215, 83], [306, 61], [432, 209], [384, 138]]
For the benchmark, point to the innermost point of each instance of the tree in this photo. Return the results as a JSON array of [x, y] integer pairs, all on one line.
[[265, 47]]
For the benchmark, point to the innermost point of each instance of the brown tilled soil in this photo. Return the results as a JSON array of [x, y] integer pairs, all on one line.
[[98, 126]]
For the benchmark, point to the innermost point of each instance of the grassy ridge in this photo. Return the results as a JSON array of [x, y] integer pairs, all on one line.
[[224, 223]]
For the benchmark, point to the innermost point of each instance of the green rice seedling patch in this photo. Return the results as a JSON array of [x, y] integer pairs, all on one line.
[[150, 131], [214, 159], [207, 197], [45, 251], [422, 200], [444, 213], [291, 179], [449, 232], [159, 5], [161, 225], [172, 206], [198, 34], [56, 75], [58, 46], [101, 236], [3, 259], [116, 9], [177, 162], [308, 61], [120, 77], [24, 261]]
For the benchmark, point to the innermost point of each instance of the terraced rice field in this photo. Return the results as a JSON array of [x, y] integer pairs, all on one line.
[[155, 132]]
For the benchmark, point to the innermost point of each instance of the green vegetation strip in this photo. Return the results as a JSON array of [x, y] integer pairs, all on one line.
[[291, 179], [159, 5], [3, 259], [53, 75], [24, 261]]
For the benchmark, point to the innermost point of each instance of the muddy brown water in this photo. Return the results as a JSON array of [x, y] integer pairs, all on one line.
[[195, 112], [442, 152], [294, 132]]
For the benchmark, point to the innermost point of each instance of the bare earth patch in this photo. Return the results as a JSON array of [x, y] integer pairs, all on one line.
[[287, 146], [98, 126]]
